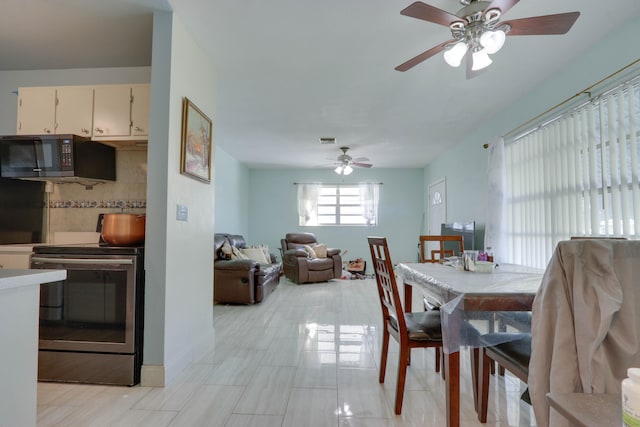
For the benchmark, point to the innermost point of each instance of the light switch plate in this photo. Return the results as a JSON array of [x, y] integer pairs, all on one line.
[[182, 213]]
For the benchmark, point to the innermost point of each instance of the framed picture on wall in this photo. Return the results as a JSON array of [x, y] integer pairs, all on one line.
[[195, 152]]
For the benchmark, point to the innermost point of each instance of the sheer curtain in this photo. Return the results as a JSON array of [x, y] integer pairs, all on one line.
[[369, 197], [308, 203], [576, 176], [495, 232]]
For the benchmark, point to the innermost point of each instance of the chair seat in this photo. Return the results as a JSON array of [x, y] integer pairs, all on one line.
[[421, 326]]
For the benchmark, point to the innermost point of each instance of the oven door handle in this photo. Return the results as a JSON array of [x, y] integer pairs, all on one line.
[[83, 261]]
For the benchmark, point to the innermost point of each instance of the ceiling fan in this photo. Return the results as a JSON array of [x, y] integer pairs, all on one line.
[[477, 31], [346, 162]]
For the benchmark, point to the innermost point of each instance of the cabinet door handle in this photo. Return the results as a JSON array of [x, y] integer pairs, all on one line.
[[99, 130], [85, 130], [138, 129], [47, 130]]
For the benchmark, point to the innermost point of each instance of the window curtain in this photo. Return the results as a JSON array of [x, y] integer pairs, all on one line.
[[369, 197], [495, 232], [576, 176], [308, 203]]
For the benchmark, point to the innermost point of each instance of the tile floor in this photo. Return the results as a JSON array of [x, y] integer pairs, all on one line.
[[306, 356]]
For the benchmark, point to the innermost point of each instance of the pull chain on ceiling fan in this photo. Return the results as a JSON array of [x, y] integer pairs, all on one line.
[[478, 32]]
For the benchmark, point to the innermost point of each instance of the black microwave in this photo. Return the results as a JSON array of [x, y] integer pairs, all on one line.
[[56, 158]]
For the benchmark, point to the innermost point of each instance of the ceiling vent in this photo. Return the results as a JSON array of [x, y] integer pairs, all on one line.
[[326, 141]]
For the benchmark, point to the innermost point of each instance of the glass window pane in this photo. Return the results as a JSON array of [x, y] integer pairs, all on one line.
[[349, 191], [328, 191], [327, 200], [326, 219], [352, 220], [349, 200], [326, 210], [350, 210]]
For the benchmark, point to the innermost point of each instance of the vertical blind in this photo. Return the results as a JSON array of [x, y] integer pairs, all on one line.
[[575, 176]]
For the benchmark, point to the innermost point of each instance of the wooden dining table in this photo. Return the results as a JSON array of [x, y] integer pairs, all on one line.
[[504, 288]]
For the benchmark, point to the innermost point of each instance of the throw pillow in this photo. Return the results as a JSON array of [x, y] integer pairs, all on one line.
[[256, 254], [310, 252], [265, 249], [226, 250], [320, 249], [237, 254]]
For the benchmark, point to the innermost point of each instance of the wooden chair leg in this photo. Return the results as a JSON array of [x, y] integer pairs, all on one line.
[[383, 355], [452, 366], [402, 376], [483, 386], [438, 356], [475, 360]]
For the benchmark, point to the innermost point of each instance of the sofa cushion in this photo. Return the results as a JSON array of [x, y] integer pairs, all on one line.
[[265, 250], [226, 251], [256, 254]]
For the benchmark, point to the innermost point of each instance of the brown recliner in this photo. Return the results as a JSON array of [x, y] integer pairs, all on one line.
[[299, 268]]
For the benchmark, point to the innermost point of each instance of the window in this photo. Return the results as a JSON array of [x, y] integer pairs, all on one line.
[[576, 176], [322, 204]]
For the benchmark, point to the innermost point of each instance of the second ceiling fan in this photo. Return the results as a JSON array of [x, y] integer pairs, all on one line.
[[477, 31]]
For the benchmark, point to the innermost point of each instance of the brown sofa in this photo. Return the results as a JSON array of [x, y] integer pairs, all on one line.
[[299, 268], [241, 281]]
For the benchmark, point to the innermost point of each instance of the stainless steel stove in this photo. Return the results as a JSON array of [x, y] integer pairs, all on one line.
[[91, 323]]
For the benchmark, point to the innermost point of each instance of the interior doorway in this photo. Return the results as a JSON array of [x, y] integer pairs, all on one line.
[[437, 205]]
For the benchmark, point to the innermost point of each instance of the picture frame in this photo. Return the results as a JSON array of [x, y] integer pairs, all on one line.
[[195, 151]]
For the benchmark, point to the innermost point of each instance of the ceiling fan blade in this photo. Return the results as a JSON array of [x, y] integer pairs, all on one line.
[[360, 159], [542, 25], [423, 56], [429, 13], [503, 5], [361, 165]]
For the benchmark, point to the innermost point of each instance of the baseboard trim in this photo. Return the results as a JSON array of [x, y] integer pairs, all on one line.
[[152, 376]]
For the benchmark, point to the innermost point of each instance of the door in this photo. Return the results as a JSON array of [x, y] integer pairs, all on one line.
[[112, 111], [36, 110], [74, 110], [140, 109], [437, 208]]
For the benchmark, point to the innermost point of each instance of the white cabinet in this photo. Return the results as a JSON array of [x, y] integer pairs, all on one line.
[[104, 113], [112, 111], [140, 107], [74, 110], [36, 110]]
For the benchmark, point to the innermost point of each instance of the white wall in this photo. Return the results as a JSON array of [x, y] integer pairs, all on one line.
[[232, 194], [179, 255], [10, 81]]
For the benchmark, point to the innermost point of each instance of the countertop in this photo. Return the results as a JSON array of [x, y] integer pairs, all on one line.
[[10, 279]]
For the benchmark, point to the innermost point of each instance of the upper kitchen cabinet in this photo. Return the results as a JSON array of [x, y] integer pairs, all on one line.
[[74, 110], [140, 107], [112, 111], [36, 110], [115, 114]]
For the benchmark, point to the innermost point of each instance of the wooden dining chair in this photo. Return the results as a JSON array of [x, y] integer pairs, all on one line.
[[514, 355], [410, 330], [448, 246]]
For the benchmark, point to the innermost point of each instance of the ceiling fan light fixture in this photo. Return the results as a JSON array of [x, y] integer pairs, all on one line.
[[347, 170], [453, 56], [492, 41], [481, 60]]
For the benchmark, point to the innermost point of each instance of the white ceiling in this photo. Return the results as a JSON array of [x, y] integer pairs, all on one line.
[[292, 71]]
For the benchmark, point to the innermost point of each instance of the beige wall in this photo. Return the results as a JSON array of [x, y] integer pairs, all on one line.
[[72, 207]]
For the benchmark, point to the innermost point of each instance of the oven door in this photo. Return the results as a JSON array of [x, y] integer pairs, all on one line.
[[93, 309]]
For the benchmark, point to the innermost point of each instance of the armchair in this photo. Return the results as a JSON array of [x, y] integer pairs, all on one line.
[[300, 268]]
